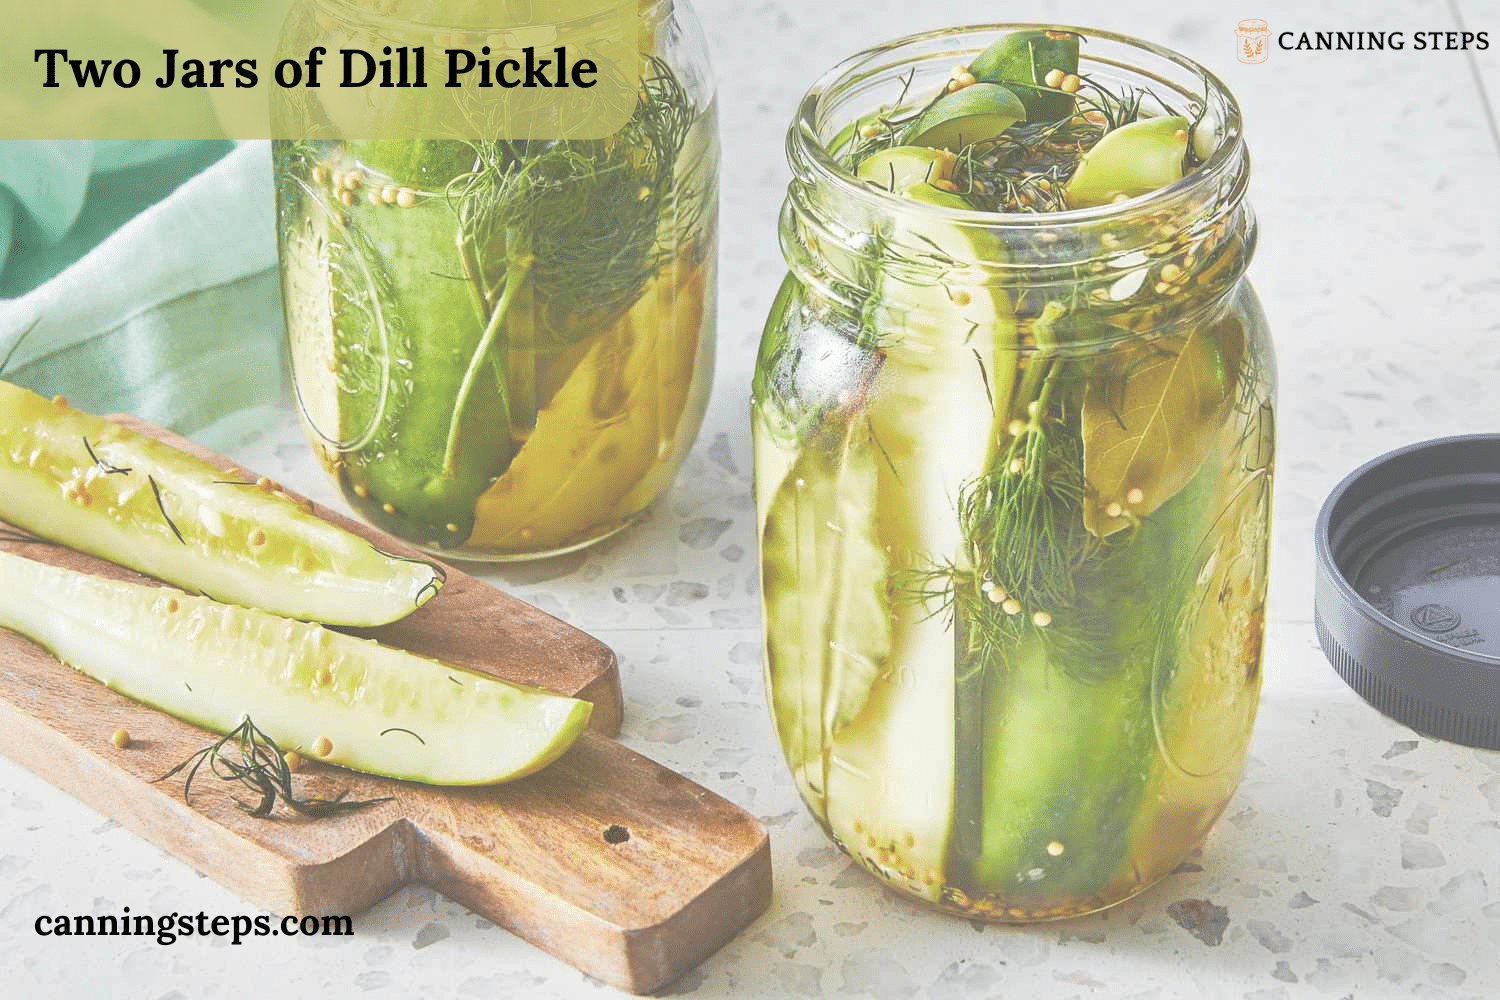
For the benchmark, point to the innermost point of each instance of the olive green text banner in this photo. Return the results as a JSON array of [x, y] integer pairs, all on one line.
[[478, 70]]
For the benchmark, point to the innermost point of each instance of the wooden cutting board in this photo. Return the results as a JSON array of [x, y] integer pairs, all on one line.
[[606, 859]]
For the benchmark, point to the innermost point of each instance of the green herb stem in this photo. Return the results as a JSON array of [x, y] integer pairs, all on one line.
[[515, 277]]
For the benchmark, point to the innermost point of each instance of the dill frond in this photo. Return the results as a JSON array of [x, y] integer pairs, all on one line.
[[249, 757]]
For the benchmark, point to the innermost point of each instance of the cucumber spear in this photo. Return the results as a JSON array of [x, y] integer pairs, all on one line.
[[333, 697], [104, 489]]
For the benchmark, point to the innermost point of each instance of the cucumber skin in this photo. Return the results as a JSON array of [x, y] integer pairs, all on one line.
[[426, 316], [1021, 60], [306, 567], [1065, 761], [212, 664]]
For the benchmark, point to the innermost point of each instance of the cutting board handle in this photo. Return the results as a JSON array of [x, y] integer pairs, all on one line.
[[628, 869], [624, 868]]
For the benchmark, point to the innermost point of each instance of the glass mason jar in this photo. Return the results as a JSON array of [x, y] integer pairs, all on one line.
[[1013, 480], [503, 349]]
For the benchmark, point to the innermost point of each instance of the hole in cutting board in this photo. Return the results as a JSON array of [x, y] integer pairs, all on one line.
[[616, 834]]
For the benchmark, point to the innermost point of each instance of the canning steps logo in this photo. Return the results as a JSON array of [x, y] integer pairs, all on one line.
[[1436, 618], [1252, 41]]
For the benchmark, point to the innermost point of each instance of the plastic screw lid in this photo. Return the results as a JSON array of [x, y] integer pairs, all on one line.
[[1408, 588]]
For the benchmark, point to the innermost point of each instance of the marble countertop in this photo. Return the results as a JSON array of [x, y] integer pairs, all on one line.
[[1357, 859]]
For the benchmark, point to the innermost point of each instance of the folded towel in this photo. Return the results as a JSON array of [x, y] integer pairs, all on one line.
[[141, 277]]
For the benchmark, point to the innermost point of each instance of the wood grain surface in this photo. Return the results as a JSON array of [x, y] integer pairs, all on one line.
[[609, 861]]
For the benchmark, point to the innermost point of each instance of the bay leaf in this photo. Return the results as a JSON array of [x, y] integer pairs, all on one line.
[[1149, 423]]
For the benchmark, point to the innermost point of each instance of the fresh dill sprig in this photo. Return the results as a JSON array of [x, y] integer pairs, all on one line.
[[575, 224], [580, 218], [250, 757]]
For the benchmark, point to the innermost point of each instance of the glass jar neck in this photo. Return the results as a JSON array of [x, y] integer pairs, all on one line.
[[838, 232]]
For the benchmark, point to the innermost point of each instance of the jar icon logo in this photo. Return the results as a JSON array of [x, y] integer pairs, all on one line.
[[1436, 618], [1252, 41]]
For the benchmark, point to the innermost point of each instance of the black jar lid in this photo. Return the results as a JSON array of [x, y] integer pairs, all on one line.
[[1408, 588]]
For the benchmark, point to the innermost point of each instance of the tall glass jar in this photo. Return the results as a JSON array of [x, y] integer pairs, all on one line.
[[503, 349], [1013, 479]]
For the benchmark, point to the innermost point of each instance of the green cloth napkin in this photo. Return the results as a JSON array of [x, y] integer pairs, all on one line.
[[141, 277]]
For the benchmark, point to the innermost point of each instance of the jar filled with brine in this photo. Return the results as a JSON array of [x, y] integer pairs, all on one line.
[[1013, 427], [501, 347]]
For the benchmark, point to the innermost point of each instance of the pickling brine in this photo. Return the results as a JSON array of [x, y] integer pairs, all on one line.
[[1013, 427], [503, 349]]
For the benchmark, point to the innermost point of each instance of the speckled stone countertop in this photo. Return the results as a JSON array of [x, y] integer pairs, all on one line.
[[1357, 859]]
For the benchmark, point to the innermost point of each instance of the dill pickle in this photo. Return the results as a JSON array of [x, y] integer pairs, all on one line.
[[1021, 61], [932, 412], [104, 489], [373, 708], [819, 538], [1134, 159], [406, 343], [898, 168], [775, 440], [1067, 754], [974, 114]]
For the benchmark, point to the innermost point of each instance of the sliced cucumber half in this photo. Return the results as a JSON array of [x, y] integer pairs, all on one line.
[[102, 488], [381, 710]]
